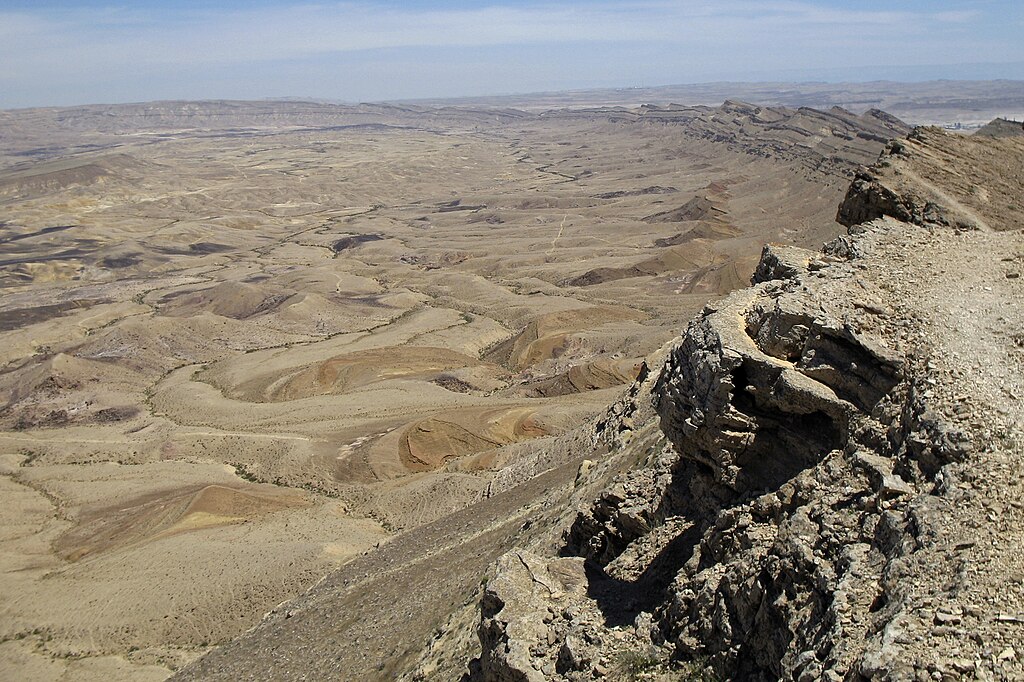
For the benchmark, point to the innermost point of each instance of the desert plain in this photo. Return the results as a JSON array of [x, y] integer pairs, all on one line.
[[244, 343]]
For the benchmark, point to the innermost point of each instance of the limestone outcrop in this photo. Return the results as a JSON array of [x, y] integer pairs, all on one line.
[[937, 179], [820, 505]]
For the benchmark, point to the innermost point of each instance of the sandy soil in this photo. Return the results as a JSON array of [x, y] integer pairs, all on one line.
[[237, 352]]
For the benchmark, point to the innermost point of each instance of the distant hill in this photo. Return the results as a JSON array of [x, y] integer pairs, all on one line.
[[1001, 127], [970, 104]]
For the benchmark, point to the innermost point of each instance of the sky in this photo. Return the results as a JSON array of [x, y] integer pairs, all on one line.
[[60, 52]]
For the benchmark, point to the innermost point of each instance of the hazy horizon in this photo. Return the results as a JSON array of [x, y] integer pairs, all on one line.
[[64, 53]]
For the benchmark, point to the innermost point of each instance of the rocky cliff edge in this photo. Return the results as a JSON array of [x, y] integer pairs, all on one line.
[[831, 486]]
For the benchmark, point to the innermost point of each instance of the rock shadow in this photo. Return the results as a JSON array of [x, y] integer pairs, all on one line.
[[620, 601]]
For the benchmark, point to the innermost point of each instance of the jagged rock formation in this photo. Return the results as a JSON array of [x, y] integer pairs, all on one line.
[[820, 480], [427, 468], [836, 499], [824, 142]]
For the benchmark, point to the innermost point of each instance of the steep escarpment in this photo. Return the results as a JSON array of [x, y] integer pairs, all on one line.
[[934, 178], [818, 480], [826, 144], [833, 491]]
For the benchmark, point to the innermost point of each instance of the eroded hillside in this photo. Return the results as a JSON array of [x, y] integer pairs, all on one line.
[[818, 480], [246, 343], [831, 489]]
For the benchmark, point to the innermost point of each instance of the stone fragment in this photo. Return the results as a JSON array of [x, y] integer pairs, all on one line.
[[572, 655]]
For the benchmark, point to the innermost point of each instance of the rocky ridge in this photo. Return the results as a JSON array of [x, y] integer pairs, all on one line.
[[829, 144], [833, 492], [820, 480]]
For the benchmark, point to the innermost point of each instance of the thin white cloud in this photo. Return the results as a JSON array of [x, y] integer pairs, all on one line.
[[296, 31], [957, 16], [117, 42]]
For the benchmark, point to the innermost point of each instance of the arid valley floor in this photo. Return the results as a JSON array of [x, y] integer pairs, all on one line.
[[245, 344]]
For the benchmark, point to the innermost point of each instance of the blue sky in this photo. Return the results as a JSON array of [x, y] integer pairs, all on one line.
[[55, 52]]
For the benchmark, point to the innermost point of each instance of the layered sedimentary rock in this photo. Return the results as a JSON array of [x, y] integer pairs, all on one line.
[[938, 179], [833, 496]]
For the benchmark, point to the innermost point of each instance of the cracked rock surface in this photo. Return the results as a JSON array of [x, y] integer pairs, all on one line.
[[836, 493]]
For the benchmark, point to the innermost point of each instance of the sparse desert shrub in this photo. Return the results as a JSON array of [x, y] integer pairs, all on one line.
[[632, 663], [243, 472], [637, 665], [453, 383]]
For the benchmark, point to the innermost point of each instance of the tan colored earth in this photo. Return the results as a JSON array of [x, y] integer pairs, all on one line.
[[243, 343]]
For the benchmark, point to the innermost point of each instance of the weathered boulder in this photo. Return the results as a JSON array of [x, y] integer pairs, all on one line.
[[524, 590]]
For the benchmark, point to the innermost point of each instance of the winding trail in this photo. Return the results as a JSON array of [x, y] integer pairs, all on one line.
[[561, 229]]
